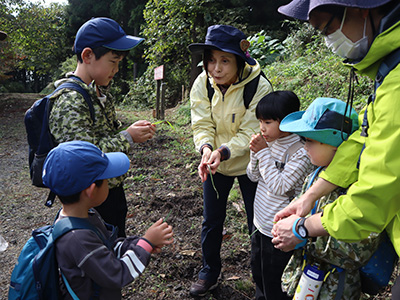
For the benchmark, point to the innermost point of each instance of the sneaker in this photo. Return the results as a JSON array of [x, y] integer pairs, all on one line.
[[201, 287]]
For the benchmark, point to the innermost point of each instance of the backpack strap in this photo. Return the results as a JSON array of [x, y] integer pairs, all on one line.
[[388, 64], [286, 156], [288, 153], [250, 89]]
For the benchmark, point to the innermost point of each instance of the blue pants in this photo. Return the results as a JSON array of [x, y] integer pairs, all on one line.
[[214, 214]]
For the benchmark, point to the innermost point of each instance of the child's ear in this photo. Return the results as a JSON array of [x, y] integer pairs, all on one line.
[[87, 55], [89, 191]]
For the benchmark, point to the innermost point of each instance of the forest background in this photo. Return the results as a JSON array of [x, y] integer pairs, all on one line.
[[40, 38]]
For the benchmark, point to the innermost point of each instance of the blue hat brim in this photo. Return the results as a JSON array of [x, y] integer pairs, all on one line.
[[300, 9], [124, 43], [294, 123], [200, 47], [118, 164]]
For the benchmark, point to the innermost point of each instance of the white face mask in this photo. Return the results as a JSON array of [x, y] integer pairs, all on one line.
[[341, 45]]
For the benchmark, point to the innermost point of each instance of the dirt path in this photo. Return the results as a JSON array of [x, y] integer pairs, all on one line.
[[161, 182]]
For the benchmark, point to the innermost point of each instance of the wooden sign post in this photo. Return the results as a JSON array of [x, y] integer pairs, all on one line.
[[160, 103]]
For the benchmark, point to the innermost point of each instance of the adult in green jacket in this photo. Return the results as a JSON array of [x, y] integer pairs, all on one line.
[[365, 32]]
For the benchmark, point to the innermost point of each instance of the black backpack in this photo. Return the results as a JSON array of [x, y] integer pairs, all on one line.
[[250, 89], [39, 137]]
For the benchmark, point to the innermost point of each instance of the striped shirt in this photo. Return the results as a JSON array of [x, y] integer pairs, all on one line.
[[275, 184]]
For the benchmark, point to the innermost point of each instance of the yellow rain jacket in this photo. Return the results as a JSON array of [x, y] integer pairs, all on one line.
[[372, 203], [225, 120]]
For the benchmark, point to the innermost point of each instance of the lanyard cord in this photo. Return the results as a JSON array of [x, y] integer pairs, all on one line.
[[350, 98]]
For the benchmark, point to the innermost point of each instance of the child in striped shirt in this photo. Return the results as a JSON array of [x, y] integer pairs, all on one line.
[[279, 163]]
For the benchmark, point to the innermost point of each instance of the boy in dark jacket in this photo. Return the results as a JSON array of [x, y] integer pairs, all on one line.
[[77, 172]]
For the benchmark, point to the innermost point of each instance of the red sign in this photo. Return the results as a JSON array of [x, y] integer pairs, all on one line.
[[159, 73]]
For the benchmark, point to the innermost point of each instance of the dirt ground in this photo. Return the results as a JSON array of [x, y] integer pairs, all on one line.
[[161, 183]]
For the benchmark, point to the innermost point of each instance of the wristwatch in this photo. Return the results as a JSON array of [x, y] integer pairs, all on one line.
[[301, 228]]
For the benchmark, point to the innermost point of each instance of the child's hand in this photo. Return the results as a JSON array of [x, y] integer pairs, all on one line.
[[141, 131], [159, 234], [257, 143]]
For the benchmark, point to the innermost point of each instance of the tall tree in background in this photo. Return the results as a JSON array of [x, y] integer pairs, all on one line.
[[36, 35], [171, 25]]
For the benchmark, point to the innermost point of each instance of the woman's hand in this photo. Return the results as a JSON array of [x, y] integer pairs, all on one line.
[[209, 160]]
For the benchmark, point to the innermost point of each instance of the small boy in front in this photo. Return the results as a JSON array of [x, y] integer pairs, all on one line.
[[279, 163], [324, 126], [77, 172], [100, 45]]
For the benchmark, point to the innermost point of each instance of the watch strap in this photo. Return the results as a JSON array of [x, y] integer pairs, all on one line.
[[303, 241]]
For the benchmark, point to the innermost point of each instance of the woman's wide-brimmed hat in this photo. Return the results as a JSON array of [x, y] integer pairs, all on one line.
[[225, 38], [300, 9]]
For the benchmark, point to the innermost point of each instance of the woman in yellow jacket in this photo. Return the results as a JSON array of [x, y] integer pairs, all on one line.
[[222, 128]]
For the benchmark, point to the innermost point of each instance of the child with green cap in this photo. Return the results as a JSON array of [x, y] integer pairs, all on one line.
[[324, 126]]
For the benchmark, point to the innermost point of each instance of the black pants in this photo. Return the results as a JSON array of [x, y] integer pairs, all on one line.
[[214, 214], [396, 289], [267, 265], [114, 209]]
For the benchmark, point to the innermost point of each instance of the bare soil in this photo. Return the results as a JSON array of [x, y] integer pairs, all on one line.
[[162, 182]]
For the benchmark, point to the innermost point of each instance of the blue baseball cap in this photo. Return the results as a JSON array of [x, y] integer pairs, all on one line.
[[323, 121], [300, 9], [104, 32], [225, 38], [73, 166]]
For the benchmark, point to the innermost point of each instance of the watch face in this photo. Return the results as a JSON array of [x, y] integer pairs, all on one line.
[[302, 232]]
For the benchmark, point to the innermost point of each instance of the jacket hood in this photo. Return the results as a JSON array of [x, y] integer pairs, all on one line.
[[382, 46]]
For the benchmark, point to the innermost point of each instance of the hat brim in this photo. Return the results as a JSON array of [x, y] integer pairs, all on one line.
[[3, 35], [124, 43], [118, 164], [199, 47], [293, 123], [300, 9]]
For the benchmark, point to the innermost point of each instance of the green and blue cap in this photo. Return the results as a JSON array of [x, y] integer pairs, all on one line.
[[73, 166], [326, 120]]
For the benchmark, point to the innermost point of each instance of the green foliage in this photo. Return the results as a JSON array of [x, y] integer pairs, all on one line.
[[171, 25], [36, 35], [264, 48], [311, 70], [142, 93], [69, 65]]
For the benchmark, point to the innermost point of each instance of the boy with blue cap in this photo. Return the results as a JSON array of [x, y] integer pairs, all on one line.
[[100, 45], [77, 172], [324, 126]]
